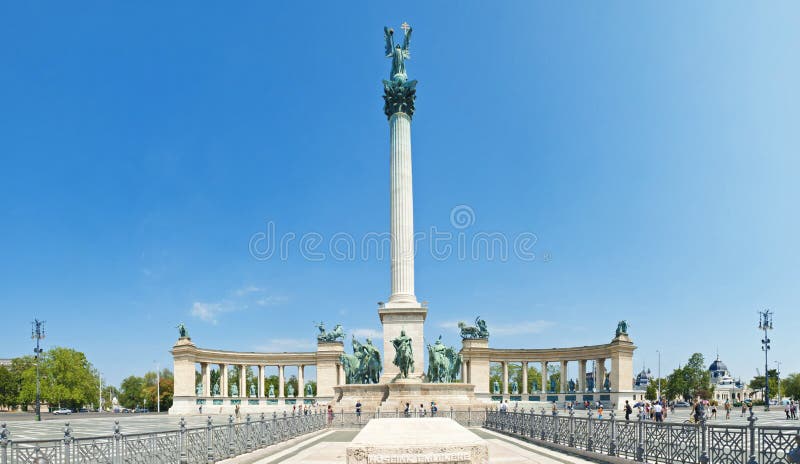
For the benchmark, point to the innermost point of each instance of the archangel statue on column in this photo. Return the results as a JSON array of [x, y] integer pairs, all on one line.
[[398, 54]]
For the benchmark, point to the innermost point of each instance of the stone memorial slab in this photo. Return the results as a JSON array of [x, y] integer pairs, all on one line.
[[416, 440]]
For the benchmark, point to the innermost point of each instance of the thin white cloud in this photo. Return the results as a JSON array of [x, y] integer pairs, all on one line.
[[241, 299], [247, 290], [271, 300], [367, 333], [287, 344], [207, 312]]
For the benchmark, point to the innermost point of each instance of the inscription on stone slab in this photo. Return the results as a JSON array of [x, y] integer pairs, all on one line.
[[457, 458]]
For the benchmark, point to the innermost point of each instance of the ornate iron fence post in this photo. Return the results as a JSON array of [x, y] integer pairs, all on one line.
[[262, 427], [231, 452], [274, 435], [531, 418], [4, 441], [209, 440], [752, 429], [67, 443], [590, 432], [571, 441], [640, 438], [542, 431], [248, 431], [555, 426], [183, 446], [612, 445], [703, 442], [117, 451]]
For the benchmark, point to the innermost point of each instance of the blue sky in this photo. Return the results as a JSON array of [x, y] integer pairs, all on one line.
[[652, 148]]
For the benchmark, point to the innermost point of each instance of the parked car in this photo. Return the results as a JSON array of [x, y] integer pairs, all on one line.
[[62, 411], [138, 410], [83, 410], [682, 404]]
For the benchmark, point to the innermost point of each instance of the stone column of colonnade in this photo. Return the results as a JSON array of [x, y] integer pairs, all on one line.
[[205, 373], [582, 376], [505, 377], [601, 374], [281, 380], [223, 380], [564, 383], [260, 388], [242, 381], [301, 387], [545, 379], [524, 389]]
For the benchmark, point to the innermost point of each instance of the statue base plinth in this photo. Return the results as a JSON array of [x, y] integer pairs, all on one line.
[[394, 395]]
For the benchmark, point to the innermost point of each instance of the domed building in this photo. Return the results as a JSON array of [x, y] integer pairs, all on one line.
[[725, 387]]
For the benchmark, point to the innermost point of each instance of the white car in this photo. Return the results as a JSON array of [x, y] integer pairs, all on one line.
[[62, 411]]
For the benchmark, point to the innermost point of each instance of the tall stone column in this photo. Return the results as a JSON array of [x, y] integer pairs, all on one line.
[[223, 380], [281, 393], [402, 312], [601, 374], [301, 388], [545, 380], [260, 381], [242, 381], [582, 375], [563, 376], [205, 373], [524, 378], [505, 377]]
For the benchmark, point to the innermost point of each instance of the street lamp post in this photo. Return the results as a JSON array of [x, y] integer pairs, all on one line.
[[37, 333], [659, 374], [100, 399], [765, 323], [158, 388]]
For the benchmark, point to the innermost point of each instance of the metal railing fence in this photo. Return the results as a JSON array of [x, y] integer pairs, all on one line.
[[187, 445], [655, 442], [348, 420]]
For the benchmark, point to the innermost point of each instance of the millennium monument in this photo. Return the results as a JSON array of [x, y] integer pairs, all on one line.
[[399, 375]]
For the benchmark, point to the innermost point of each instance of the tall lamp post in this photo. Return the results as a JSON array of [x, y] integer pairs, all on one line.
[[659, 375], [158, 388], [765, 324], [37, 333]]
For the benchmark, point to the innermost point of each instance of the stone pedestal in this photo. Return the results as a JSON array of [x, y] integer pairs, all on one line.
[[328, 361], [429, 440], [394, 318]]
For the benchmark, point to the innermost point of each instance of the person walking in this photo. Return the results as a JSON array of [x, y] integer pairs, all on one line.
[[358, 408], [600, 411], [330, 414], [714, 410], [727, 409], [628, 410], [657, 409]]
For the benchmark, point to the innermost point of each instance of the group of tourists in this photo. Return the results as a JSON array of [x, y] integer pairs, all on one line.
[[790, 409]]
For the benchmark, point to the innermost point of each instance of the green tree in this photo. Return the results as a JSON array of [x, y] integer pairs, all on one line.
[[9, 387], [652, 392], [534, 375], [67, 379], [166, 389], [758, 383], [132, 392], [790, 386], [690, 381]]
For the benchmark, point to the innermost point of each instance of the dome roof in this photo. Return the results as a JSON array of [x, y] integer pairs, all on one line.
[[717, 366]]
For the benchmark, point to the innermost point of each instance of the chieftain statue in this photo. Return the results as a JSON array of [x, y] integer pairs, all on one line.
[[271, 392], [364, 365], [333, 336], [477, 331], [309, 390], [444, 363], [398, 92], [571, 385], [404, 355], [182, 332], [607, 384], [622, 328], [514, 386]]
